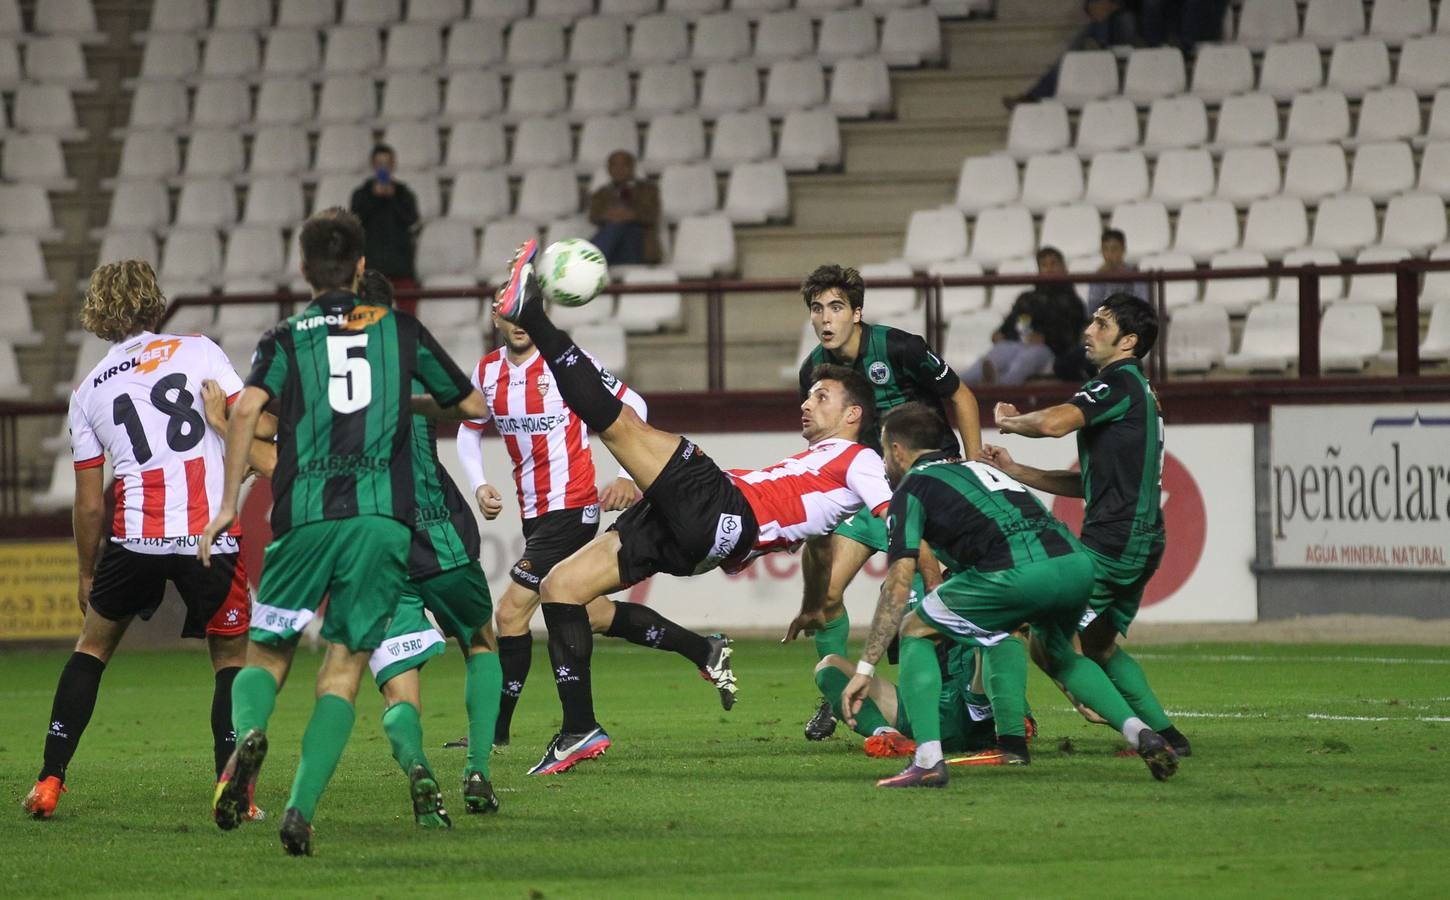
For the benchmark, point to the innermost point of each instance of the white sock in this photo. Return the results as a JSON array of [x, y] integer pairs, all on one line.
[[928, 754], [884, 729], [1131, 729]]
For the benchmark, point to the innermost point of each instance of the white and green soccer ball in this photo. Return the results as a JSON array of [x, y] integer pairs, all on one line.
[[572, 272]]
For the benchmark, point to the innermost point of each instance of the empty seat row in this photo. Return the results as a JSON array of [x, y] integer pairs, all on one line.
[[50, 60], [45, 109], [1262, 23], [65, 18]]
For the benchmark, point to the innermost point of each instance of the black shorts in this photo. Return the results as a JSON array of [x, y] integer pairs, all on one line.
[[691, 520], [218, 599], [550, 539]]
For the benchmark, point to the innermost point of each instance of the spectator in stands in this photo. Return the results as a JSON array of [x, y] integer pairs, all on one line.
[[627, 212], [1114, 248], [1109, 25], [1045, 323], [1192, 22], [389, 214]]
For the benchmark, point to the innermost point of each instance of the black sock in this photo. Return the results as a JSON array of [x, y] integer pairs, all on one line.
[[571, 644], [578, 380], [641, 625], [223, 736], [70, 713], [514, 655], [1013, 743]]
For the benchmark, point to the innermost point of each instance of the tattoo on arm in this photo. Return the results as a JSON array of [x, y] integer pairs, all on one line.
[[890, 607]]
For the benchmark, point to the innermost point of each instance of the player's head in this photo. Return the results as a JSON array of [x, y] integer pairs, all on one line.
[[122, 299], [514, 337], [907, 432], [332, 250], [839, 404], [834, 295], [1123, 326], [375, 289]]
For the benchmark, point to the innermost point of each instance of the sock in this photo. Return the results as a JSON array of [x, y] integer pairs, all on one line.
[[515, 653], [481, 696], [571, 644], [920, 688], [404, 728], [1079, 676], [1004, 672], [832, 638], [223, 737], [578, 380], [254, 695], [1013, 743], [641, 625], [869, 720], [70, 712], [1131, 728], [1127, 676], [322, 743]]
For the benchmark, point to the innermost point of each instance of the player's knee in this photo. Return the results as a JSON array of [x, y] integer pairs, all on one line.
[[833, 661]]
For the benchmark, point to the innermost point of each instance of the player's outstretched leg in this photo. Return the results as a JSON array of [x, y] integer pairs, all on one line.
[[571, 647], [921, 693], [1100, 645], [70, 713], [882, 739], [639, 624], [254, 696]]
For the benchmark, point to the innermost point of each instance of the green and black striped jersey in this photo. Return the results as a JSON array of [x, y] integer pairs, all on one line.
[[445, 533], [900, 368], [972, 516], [341, 374], [1120, 453]]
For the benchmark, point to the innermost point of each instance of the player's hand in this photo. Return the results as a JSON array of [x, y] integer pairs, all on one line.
[[807, 623], [83, 592], [1003, 411], [622, 494], [997, 457], [490, 501], [214, 402], [224, 519], [853, 696]]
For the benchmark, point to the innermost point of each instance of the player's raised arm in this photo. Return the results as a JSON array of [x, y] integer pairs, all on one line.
[[1054, 421], [969, 425], [622, 493], [263, 455], [1063, 482]]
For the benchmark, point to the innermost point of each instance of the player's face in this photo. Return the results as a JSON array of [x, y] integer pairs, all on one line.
[[514, 337], [1102, 338], [895, 460], [825, 412], [833, 318]]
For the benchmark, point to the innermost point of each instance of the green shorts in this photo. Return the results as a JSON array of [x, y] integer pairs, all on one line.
[[411, 640], [359, 563], [983, 608], [956, 724], [459, 601], [1117, 592], [864, 528]]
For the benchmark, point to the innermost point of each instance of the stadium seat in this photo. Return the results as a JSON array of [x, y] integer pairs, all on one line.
[[169, 57], [1247, 174], [1116, 177], [1176, 294], [757, 193], [11, 385], [809, 139], [371, 12], [416, 144], [969, 336], [1345, 223], [347, 98], [1145, 224], [1183, 174], [441, 12], [1438, 128], [957, 301], [282, 101], [35, 158], [447, 316], [784, 35], [1389, 114], [413, 46], [933, 236], [1237, 295], [575, 226], [1037, 128], [132, 244], [339, 148], [688, 189], [139, 204], [176, 16], [1110, 124], [1414, 222], [674, 138], [1176, 122], [694, 9], [471, 95], [598, 41], [291, 51], [90, 352], [214, 153], [1291, 69], [191, 256], [1331, 287], [1198, 339], [1075, 229], [1395, 21], [740, 137], [720, 37], [1424, 65], [1358, 66], [729, 87], [1205, 228], [58, 60], [1329, 21], [352, 50], [237, 325], [1350, 335], [230, 54], [535, 42], [547, 193], [647, 313], [445, 247], [221, 104], [888, 302], [159, 106], [1436, 346], [279, 150], [603, 135], [860, 88], [16, 324], [47, 109], [704, 247], [1050, 179], [479, 196], [1435, 169], [628, 9], [541, 142], [537, 92], [500, 240], [499, 10], [1222, 70], [1270, 340], [306, 13], [1086, 75], [1315, 171], [1002, 296], [1263, 23], [1154, 72], [73, 18], [1002, 233], [986, 181], [1317, 117], [274, 200], [911, 37], [253, 251], [209, 202], [473, 44], [1382, 169], [818, 8], [658, 39], [847, 34], [605, 340], [1247, 119], [335, 189], [794, 84], [426, 190], [1376, 290], [664, 88], [563, 10], [25, 209], [10, 74]]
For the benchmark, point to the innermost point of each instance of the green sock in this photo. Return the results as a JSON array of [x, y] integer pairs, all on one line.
[[482, 688], [1083, 680], [1004, 673], [832, 638], [832, 681], [322, 745], [404, 729], [920, 688], [254, 696], [1127, 676]]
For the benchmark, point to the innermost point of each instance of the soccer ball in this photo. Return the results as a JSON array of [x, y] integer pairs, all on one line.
[[572, 272]]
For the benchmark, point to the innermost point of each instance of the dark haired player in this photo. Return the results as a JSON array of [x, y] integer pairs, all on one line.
[[1120, 456]]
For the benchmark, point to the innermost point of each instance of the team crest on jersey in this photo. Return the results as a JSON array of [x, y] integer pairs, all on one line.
[[541, 384], [879, 373]]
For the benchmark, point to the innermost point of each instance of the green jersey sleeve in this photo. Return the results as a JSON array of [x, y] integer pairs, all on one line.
[[905, 520], [1104, 399], [438, 373], [921, 365], [269, 364]]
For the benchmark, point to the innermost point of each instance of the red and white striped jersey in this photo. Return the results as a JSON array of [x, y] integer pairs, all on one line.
[[810, 493], [142, 408], [548, 443]]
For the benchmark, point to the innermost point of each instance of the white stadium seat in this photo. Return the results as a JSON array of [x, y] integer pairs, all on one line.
[[47, 109], [336, 189], [176, 15], [784, 35], [1237, 295], [230, 54], [347, 98], [1037, 128], [445, 247], [645, 313], [663, 88], [1198, 339], [794, 84], [1387, 114], [859, 88], [679, 137], [1394, 21], [1206, 227], [935, 235], [221, 104], [541, 142], [283, 101], [371, 12], [1358, 66], [547, 193], [214, 153], [1003, 233], [1182, 175], [1050, 179], [809, 139], [413, 46], [688, 189], [1377, 290], [911, 36], [1247, 174], [986, 181], [191, 256], [1345, 224], [275, 200], [1382, 169], [1315, 171], [76, 18], [847, 34], [564, 10], [1316, 117], [1222, 70], [602, 136], [291, 51], [969, 336], [1435, 169], [537, 92], [1424, 64], [1145, 224], [535, 42], [704, 247], [659, 38], [1176, 122], [1414, 222], [149, 154], [169, 57], [1350, 335], [470, 95], [956, 301], [1086, 75], [500, 240], [119, 245], [161, 106], [1291, 69], [138, 205], [410, 95], [415, 143], [1154, 72], [720, 37], [1436, 346], [352, 50], [1116, 177], [16, 324], [36, 158], [209, 202], [740, 137], [757, 193], [439, 11], [1270, 340], [306, 13], [473, 44], [1331, 287], [598, 40], [479, 196], [1329, 21], [1247, 119], [57, 60], [1175, 293], [279, 150], [253, 251], [339, 148], [1266, 22], [889, 302], [1110, 124], [729, 87], [1076, 229], [24, 265]]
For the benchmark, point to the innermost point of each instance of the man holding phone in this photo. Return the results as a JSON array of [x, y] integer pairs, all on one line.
[[389, 214]]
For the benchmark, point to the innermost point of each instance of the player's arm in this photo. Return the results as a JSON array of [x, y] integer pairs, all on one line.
[[1063, 482], [263, 455], [890, 608], [241, 432], [88, 519], [622, 492], [933, 374], [969, 425], [1054, 421], [453, 396], [470, 455]]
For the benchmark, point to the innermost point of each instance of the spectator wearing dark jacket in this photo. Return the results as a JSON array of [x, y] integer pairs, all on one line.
[[1045, 323], [389, 213], [1109, 25]]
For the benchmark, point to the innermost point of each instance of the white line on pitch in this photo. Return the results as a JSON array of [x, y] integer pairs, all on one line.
[[1326, 717], [1380, 660]]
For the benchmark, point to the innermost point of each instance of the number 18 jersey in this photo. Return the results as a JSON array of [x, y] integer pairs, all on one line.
[[142, 407]]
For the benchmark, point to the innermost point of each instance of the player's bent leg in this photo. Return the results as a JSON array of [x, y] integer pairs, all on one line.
[[642, 449], [920, 687], [847, 558], [325, 737], [877, 719], [1099, 642]]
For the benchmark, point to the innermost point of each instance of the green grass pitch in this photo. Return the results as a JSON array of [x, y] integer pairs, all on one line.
[[1320, 771]]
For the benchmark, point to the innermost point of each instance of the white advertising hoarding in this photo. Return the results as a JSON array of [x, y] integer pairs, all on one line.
[[1361, 487]]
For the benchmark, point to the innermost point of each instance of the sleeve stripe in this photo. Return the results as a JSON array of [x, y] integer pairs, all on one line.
[[879, 507], [469, 423], [91, 463]]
